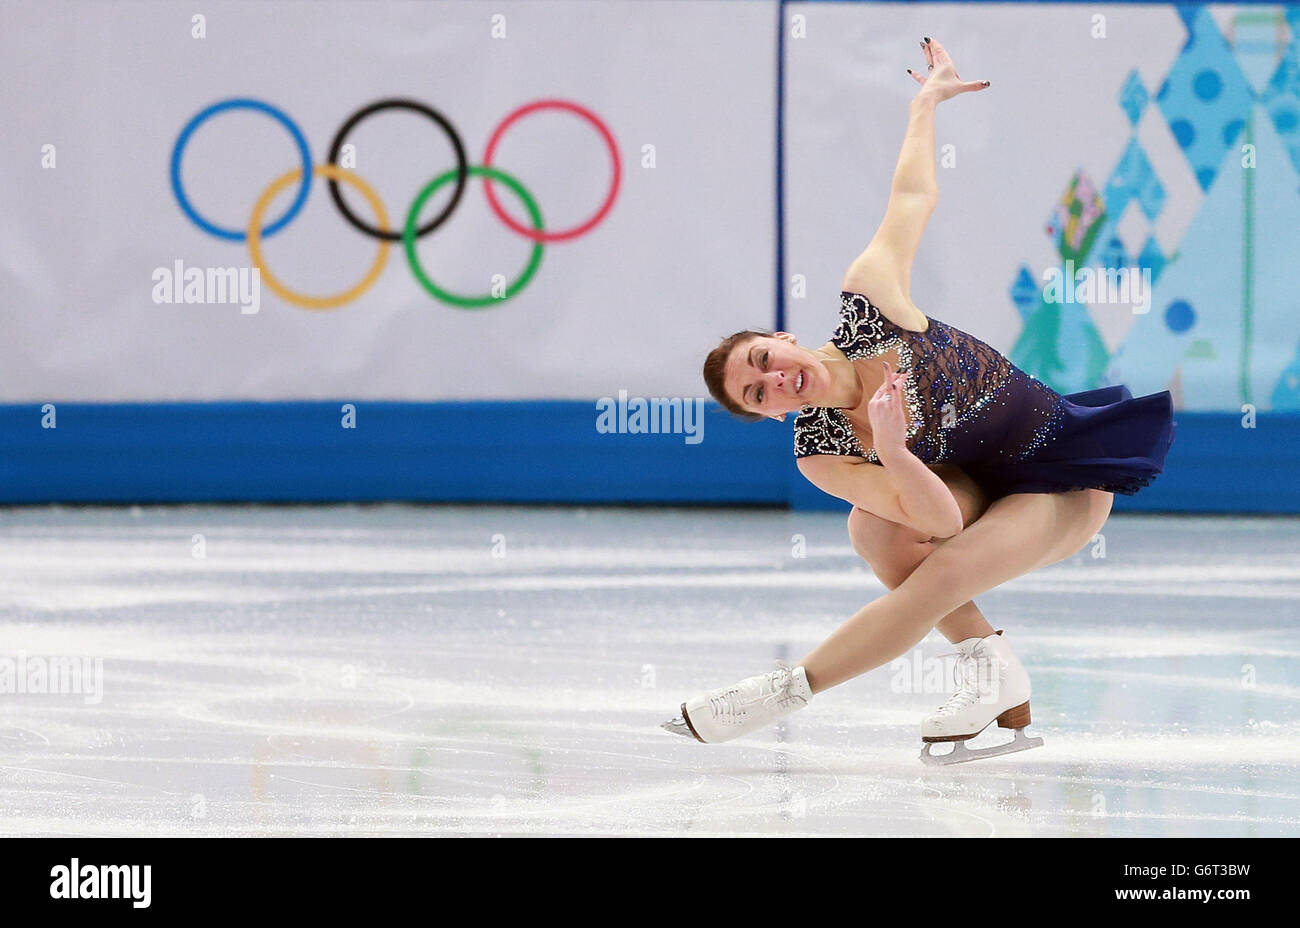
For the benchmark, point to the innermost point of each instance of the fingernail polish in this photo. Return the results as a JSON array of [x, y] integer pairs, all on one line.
[[927, 40], [986, 83], [909, 70]]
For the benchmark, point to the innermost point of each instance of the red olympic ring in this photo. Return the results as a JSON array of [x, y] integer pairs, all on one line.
[[564, 234]]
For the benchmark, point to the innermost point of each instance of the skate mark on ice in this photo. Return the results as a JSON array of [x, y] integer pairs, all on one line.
[[80, 776], [26, 736]]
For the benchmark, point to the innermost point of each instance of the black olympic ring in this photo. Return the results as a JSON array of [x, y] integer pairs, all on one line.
[[397, 103]]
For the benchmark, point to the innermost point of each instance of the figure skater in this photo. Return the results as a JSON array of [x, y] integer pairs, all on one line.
[[963, 470]]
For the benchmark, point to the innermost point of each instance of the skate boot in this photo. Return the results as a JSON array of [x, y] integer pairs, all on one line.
[[991, 686], [751, 704]]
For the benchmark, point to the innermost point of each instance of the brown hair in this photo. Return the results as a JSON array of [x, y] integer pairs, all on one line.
[[714, 367]]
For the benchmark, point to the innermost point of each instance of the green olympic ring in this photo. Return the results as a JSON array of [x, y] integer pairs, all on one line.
[[412, 218]]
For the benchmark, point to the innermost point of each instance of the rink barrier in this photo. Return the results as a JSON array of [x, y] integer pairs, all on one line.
[[545, 451]]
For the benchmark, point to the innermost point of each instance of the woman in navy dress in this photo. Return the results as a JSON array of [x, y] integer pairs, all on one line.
[[963, 471]]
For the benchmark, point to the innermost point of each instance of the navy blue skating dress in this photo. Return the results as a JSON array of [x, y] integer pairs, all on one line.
[[968, 405]]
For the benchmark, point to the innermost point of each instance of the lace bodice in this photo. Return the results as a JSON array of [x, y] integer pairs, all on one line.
[[965, 401]]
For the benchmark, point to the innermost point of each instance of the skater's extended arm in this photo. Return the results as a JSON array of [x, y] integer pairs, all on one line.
[[884, 269]]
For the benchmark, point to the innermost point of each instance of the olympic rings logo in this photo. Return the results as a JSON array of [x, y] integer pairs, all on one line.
[[255, 232]]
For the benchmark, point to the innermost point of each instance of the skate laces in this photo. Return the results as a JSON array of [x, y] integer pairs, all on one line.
[[733, 705], [782, 685], [965, 673]]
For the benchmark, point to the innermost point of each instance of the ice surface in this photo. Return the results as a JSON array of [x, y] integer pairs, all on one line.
[[503, 670]]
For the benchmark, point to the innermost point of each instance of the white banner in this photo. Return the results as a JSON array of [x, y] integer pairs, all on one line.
[[112, 291]]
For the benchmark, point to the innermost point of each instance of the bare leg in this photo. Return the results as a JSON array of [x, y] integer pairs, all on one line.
[[893, 550], [1017, 534]]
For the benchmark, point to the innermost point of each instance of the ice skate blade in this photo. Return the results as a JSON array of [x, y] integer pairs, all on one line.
[[677, 725], [681, 725], [960, 754]]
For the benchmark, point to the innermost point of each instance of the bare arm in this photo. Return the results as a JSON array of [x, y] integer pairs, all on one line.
[[908, 492], [903, 491], [927, 503], [884, 269]]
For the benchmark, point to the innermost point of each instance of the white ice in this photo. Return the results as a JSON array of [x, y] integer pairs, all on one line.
[[386, 670]]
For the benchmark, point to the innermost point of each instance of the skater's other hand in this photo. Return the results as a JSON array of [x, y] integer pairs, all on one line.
[[887, 411], [940, 81]]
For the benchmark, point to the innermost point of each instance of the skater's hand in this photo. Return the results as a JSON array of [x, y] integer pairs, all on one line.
[[887, 411], [940, 81]]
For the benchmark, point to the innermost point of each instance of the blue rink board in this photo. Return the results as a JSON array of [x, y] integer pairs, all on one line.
[[533, 451]]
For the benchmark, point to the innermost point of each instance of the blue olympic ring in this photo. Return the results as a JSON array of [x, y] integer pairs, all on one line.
[[237, 235]]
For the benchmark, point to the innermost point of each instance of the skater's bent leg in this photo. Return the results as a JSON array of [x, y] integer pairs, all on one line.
[[1017, 534], [893, 550]]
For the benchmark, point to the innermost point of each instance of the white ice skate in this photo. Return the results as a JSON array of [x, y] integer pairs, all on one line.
[[751, 704], [991, 686]]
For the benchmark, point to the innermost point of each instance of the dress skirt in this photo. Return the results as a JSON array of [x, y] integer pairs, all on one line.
[[1105, 439]]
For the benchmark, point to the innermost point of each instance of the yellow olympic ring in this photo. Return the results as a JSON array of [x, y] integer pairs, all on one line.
[[254, 235]]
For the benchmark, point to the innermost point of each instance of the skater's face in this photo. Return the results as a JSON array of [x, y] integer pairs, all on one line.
[[771, 375]]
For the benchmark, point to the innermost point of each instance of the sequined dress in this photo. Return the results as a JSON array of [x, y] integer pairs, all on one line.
[[969, 405]]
